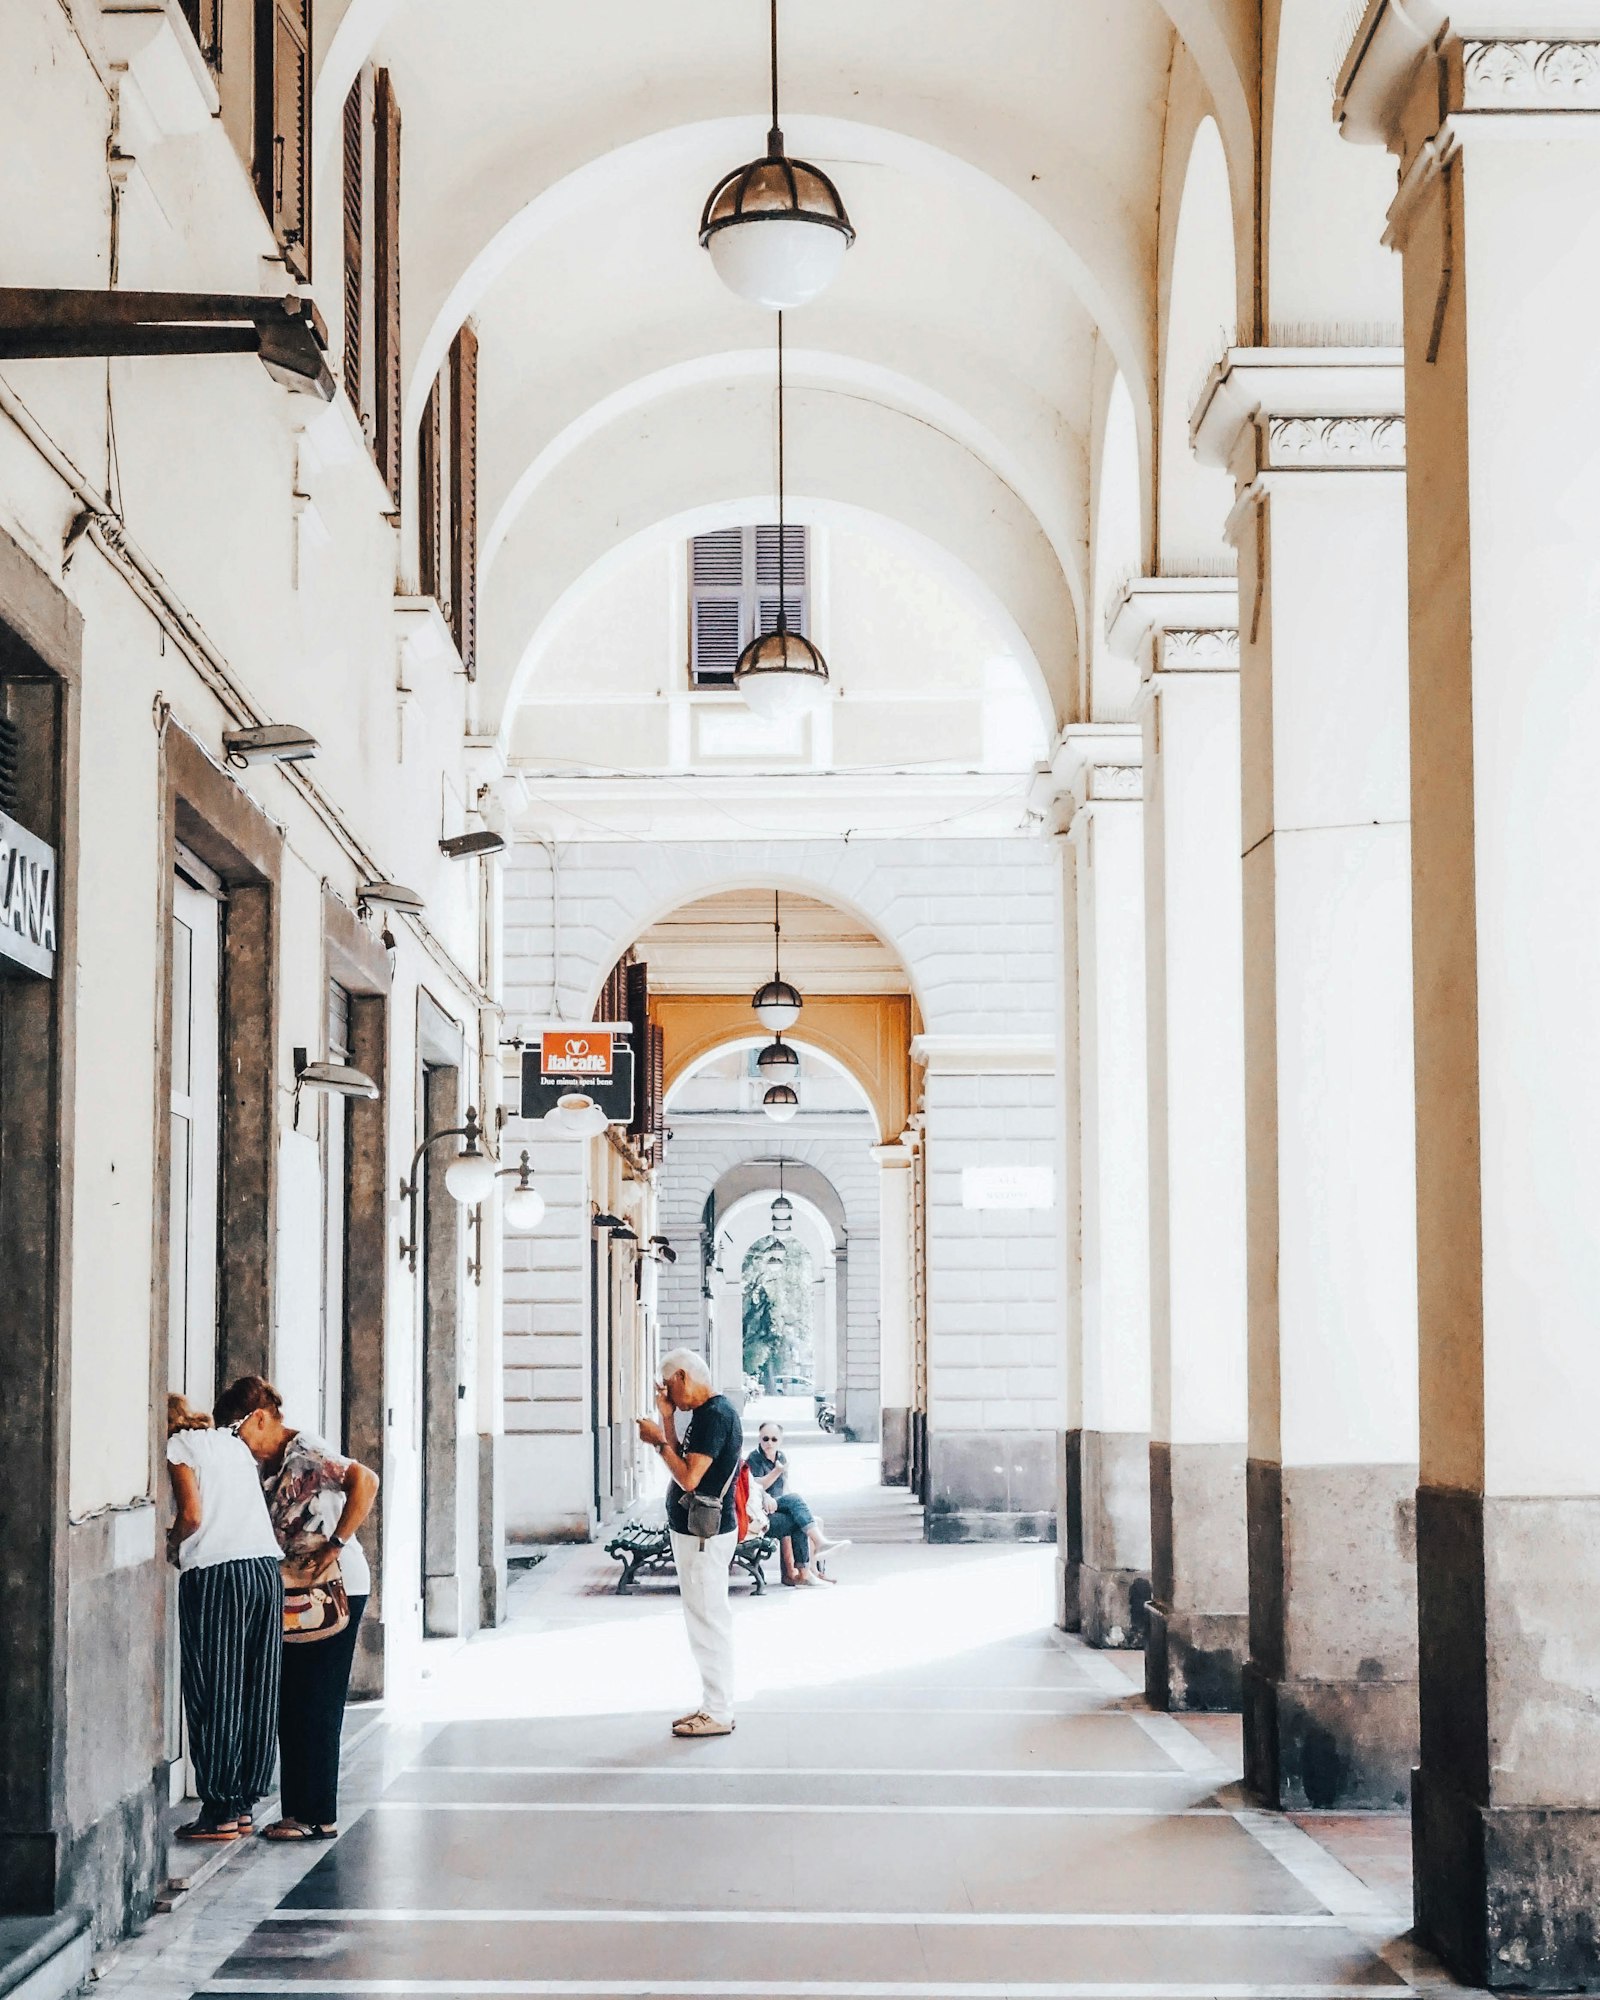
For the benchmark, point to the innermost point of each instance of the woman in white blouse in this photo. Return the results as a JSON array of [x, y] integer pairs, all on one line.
[[230, 1619]]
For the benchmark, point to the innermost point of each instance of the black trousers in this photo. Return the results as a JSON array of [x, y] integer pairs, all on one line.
[[316, 1679], [230, 1633]]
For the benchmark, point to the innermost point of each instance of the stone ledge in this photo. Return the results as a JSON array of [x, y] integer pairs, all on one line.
[[1328, 1746], [42, 1958]]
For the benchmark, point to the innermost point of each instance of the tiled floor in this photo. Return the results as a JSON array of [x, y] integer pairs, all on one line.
[[931, 1792]]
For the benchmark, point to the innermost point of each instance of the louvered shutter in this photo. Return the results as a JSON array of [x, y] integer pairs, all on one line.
[[205, 24], [717, 590], [464, 497], [658, 1091], [283, 125], [795, 555], [355, 183], [386, 281], [430, 497], [794, 607]]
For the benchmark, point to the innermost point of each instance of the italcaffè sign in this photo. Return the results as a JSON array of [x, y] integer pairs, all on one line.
[[27, 902]]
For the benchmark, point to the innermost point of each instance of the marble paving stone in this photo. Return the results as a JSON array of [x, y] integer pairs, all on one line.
[[314, 1950], [779, 1786]]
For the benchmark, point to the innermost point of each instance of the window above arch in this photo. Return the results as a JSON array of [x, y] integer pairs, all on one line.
[[734, 580]]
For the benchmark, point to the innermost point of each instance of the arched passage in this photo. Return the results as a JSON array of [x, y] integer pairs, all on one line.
[[1201, 321]]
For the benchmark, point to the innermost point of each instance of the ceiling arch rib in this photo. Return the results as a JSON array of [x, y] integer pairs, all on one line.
[[1044, 489], [703, 460], [1095, 245]]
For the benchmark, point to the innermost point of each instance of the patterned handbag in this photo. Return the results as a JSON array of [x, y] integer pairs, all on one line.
[[314, 1610]]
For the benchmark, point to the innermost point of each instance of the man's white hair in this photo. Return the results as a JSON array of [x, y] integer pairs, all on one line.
[[684, 1360]]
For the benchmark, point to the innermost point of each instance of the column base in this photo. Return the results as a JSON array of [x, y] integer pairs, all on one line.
[[1507, 1896], [1193, 1662], [1328, 1746], [991, 1486], [1111, 1606], [894, 1456]]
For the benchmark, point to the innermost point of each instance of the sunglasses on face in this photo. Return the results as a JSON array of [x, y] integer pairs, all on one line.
[[768, 1438]]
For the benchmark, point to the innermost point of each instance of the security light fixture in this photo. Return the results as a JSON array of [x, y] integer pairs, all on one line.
[[776, 228], [389, 896], [781, 1103], [470, 1176], [272, 743], [780, 673], [485, 841], [333, 1079], [777, 1004], [286, 331]]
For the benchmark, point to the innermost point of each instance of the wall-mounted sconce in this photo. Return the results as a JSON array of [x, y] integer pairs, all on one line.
[[523, 1205], [469, 1177], [272, 743], [485, 841], [334, 1079]]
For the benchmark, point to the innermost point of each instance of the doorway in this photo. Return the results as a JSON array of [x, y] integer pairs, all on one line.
[[195, 1179]]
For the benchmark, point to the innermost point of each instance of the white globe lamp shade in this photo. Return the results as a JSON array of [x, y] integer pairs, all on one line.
[[778, 262], [780, 1103], [778, 1063], [777, 1005], [524, 1208], [470, 1178]]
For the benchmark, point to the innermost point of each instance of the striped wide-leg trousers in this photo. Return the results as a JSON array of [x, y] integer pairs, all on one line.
[[230, 1627]]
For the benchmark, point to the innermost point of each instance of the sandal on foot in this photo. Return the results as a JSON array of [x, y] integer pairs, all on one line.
[[701, 1724], [208, 1829], [287, 1829]]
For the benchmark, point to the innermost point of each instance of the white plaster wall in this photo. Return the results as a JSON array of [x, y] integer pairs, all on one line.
[[264, 515]]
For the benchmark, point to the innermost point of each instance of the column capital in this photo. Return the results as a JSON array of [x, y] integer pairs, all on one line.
[[984, 1055], [894, 1153], [1178, 624], [1414, 65], [1303, 409]]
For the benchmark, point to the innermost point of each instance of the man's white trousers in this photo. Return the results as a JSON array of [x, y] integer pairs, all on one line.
[[703, 1586]]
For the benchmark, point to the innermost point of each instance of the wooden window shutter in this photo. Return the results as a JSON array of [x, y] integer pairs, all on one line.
[[283, 125], [638, 1018], [386, 280], [205, 24], [430, 499], [658, 1087], [464, 497], [355, 187]]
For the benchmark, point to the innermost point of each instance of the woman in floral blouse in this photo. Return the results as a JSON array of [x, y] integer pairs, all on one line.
[[317, 1500]]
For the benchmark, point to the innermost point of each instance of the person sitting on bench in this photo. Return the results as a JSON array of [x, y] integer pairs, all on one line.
[[802, 1541]]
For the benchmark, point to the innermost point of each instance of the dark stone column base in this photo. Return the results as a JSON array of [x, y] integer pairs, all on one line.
[[1111, 1606], [894, 1459], [1069, 1529], [1325, 1746], [1508, 1896], [492, 1575], [1193, 1662], [991, 1486]]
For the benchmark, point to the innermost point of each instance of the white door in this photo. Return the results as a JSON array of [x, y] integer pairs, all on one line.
[[196, 1115]]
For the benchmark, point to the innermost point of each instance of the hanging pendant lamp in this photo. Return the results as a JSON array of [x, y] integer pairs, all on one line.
[[780, 673], [782, 1209], [776, 228], [777, 1004], [781, 1103], [778, 1063]]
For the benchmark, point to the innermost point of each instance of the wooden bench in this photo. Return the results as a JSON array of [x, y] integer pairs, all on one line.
[[647, 1551]]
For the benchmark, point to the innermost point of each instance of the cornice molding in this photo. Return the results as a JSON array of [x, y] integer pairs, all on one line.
[[1213, 650], [1305, 408], [1505, 75], [984, 1055]]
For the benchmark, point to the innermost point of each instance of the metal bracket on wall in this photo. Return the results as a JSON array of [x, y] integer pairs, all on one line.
[[49, 324]]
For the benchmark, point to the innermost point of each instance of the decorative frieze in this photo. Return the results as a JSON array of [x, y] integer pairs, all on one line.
[[1114, 783], [1336, 443], [1530, 76], [1211, 650]]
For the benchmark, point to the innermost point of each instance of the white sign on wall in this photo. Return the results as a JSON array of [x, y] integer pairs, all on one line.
[[1008, 1187]]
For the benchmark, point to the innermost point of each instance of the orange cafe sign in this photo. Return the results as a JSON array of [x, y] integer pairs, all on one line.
[[581, 1052]]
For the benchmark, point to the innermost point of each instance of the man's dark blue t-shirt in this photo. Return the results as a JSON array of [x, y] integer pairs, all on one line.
[[715, 1432]]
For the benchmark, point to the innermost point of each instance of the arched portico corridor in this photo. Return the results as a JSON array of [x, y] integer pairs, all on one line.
[[945, 772], [932, 1791]]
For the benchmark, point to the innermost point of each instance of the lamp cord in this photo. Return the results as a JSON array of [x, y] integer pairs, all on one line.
[[776, 135], [783, 587]]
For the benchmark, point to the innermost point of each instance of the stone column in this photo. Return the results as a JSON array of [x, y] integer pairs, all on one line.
[[1183, 632], [993, 1235], [1316, 441], [1496, 121], [895, 1359], [1106, 1564]]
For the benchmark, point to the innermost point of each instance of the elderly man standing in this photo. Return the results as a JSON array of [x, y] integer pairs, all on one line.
[[700, 1515]]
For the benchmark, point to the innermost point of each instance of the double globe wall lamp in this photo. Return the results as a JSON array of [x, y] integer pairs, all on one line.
[[470, 1179]]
